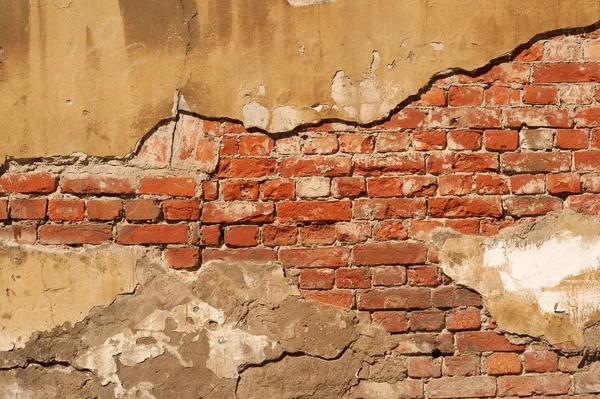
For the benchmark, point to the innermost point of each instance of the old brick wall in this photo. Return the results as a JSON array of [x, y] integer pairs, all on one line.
[[347, 211]]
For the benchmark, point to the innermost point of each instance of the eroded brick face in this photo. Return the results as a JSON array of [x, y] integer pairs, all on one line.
[[347, 211]]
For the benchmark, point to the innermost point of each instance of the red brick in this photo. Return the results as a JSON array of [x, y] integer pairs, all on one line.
[[392, 142], [3, 209], [434, 97], [587, 161], [275, 235], [356, 143], [588, 204], [257, 146], [564, 49], [536, 162], [317, 234], [540, 361], [317, 279], [398, 253], [591, 50], [464, 140], [97, 185], [288, 145], [462, 118], [462, 365], [393, 298], [152, 234], [462, 387], [528, 184], [210, 190], [241, 168], [591, 182], [232, 127], [569, 364], [427, 320], [239, 190], [348, 187], [502, 95], [182, 258], [339, 298], [526, 385], [503, 363], [384, 187], [181, 209], [491, 185], [455, 184], [587, 117], [389, 275], [141, 209], [211, 235], [237, 212], [424, 343], [66, 209], [75, 234], [540, 95], [459, 96], [501, 140], [423, 276], [538, 117], [28, 208], [462, 162], [406, 119], [170, 185], [419, 186], [241, 236], [428, 140], [21, 234], [504, 73], [534, 53], [572, 139], [391, 208], [464, 226], [421, 229], [563, 183], [256, 255], [532, 206], [353, 232], [277, 190], [424, 367], [396, 164], [329, 167], [230, 145], [392, 321], [109, 209], [314, 257], [389, 230], [314, 211], [321, 145], [359, 277], [465, 207], [29, 183], [452, 297], [463, 319], [566, 73], [484, 341]]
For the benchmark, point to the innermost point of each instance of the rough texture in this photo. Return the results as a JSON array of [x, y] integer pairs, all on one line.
[[96, 77]]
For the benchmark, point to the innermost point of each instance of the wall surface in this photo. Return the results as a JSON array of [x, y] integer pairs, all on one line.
[[449, 251]]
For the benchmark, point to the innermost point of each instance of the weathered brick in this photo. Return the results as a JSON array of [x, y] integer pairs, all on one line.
[[384, 187], [181, 209], [503, 363], [97, 185], [501, 140], [211, 235], [141, 209], [540, 95], [393, 298], [21, 234], [434, 97], [28, 208], [455, 184], [314, 211], [569, 364], [462, 162], [421, 229], [526, 385], [277, 190], [330, 167], [66, 209], [461, 118], [502, 95], [536, 162], [588, 204], [339, 298], [321, 145], [424, 367], [242, 168], [241, 236], [533, 53], [317, 234], [406, 118], [168, 185], [353, 232], [428, 140], [392, 142], [491, 185], [588, 382], [576, 94], [587, 161], [237, 212], [348, 187], [425, 343], [427, 320], [461, 365], [29, 183], [540, 361], [389, 275], [390, 230], [182, 258], [274, 235], [389, 208], [464, 139], [239, 190], [399, 253], [484, 341], [396, 164], [356, 143], [317, 279], [532, 205], [452, 297], [419, 186], [104, 209], [313, 187], [460, 96], [210, 190], [257, 255], [356, 277], [591, 182], [572, 139], [461, 387], [423, 276], [465, 207], [463, 319], [504, 73], [566, 73], [528, 184], [392, 321], [563, 183], [74, 234], [257, 146], [314, 257], [152, 234]]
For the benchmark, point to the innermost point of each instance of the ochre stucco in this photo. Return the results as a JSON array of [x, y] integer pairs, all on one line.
[[95, 77]]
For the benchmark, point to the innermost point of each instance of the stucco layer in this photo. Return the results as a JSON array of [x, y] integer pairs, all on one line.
[[96, 76]]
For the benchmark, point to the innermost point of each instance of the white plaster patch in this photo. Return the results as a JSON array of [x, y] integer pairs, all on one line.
[[255, 115], [14, 391], [437, 46], [285, 118]]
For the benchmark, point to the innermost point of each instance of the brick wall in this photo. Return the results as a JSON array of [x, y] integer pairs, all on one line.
[[347, 210]]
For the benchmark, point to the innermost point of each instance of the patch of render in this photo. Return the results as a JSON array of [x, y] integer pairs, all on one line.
[[540, 279], [47, 287], [256, 115]]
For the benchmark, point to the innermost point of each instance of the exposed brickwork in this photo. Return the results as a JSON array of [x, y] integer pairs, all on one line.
[[347, 211]]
